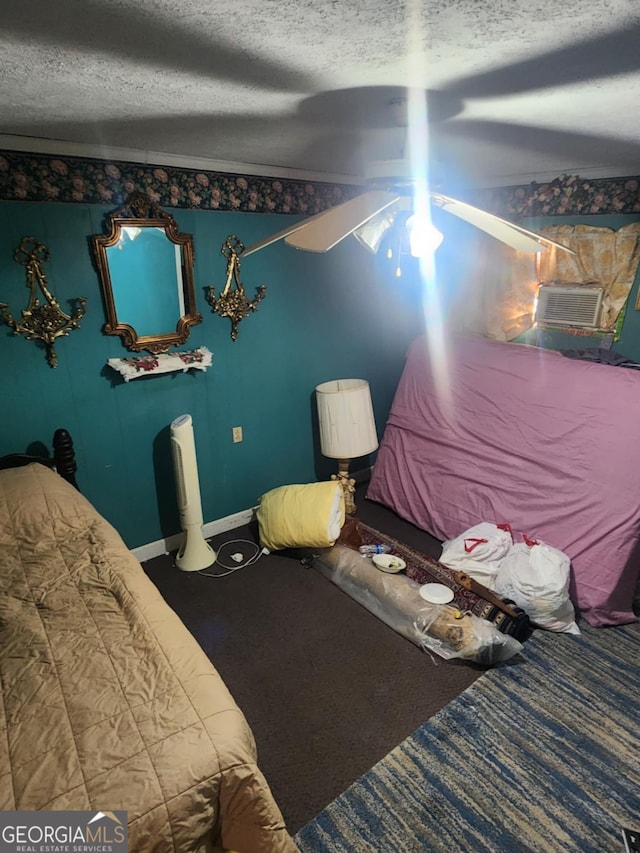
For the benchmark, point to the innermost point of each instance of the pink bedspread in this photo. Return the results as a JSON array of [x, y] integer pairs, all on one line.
[[522, 435]]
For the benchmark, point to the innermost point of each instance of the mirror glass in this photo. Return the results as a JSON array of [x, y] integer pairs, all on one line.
[[146, 270]]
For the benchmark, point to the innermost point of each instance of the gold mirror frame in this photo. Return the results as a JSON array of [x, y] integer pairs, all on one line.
[[140, 212]]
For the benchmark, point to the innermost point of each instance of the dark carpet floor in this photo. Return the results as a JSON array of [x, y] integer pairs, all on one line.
[[327, 688]]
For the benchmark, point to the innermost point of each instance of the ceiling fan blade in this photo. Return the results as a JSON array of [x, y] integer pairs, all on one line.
[[325, 230], [279, 235], [545, 242], [515, 236]]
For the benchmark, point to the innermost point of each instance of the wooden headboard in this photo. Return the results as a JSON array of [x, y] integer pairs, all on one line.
[[63, 460]]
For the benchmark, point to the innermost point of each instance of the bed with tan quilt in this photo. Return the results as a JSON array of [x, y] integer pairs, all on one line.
[[108, 702]]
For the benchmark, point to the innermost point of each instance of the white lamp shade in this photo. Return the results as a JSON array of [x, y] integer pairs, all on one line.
[[345, 414]]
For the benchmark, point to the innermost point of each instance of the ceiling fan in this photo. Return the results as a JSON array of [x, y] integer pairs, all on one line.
[[394, 192], [391, 191]]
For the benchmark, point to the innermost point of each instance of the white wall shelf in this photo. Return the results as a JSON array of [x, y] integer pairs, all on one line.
[[169, 362]]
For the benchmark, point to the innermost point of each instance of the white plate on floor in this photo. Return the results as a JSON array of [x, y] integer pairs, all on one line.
[[436, 593], [389, 563]]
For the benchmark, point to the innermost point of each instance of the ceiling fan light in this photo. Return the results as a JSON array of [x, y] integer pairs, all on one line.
[[371, 234], [424, 237]]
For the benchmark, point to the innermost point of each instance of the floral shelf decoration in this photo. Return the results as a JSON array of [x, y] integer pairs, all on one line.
[[145, 365]]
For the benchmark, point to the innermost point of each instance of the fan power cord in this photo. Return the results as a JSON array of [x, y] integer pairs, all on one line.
[[237, 557]]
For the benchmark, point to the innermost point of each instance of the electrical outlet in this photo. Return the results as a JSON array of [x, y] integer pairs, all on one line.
[[237, 434]]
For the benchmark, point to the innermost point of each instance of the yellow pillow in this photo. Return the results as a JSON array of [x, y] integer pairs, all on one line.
[[305, 516]]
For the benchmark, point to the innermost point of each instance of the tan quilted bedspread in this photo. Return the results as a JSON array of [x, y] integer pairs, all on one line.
[[108, 702]]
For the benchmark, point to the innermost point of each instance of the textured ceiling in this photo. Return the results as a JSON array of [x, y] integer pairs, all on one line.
[[534, 88]]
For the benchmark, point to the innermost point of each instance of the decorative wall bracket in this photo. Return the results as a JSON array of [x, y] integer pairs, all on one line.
[[41, 321], [233, 303]]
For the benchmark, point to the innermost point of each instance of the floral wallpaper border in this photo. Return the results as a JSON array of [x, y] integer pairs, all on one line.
[[567, 195], [38, 177]]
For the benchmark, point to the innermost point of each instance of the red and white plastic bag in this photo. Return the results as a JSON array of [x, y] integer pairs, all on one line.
[[479, 551]]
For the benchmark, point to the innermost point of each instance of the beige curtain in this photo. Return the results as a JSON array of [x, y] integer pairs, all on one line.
[[498, 299], [603, 256]]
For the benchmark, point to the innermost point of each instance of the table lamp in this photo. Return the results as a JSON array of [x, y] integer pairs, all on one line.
[[347, 428]]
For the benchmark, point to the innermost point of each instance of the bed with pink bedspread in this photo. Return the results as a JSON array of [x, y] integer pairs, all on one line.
[[508, 433]]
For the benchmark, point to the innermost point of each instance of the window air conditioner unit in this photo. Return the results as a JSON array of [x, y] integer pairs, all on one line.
[[569, 306]]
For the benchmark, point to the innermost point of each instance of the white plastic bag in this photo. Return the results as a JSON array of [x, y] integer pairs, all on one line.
[[536, 577], [479, 551]]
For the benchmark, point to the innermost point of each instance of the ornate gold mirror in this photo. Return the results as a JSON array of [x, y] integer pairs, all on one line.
[[146, 270]]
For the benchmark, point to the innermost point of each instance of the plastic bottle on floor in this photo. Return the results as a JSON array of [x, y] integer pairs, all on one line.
[[370, 550]]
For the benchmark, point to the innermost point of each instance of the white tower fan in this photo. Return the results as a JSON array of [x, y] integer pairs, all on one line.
[[195, 553]]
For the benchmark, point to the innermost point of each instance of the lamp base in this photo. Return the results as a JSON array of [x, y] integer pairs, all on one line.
[[348, 486]]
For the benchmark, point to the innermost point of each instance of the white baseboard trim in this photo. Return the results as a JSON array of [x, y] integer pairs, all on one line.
[[211, 528]]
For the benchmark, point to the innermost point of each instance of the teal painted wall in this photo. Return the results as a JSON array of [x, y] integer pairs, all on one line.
[[324, 317]]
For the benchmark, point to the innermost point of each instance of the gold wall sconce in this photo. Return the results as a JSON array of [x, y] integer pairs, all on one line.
[[233, 302], [42, 321]]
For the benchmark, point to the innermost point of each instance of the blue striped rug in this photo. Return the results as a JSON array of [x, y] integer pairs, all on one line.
[[540, 754]]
